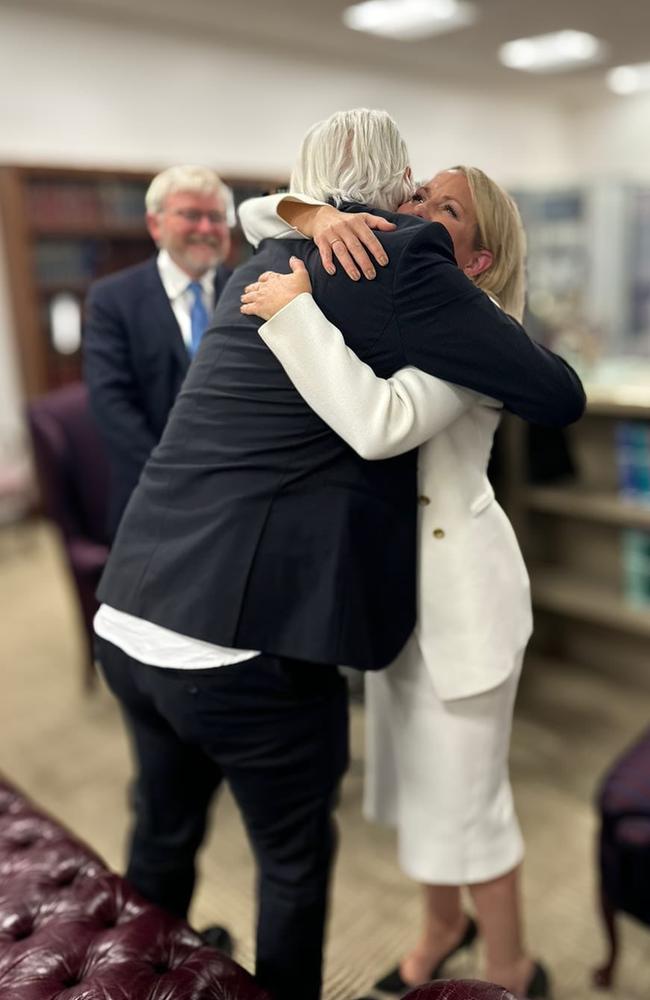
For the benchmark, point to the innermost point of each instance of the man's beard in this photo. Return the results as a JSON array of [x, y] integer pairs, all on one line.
[[201, 254]]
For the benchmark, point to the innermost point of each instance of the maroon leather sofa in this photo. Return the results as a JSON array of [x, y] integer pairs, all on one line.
[[71, 929], [459, 989]]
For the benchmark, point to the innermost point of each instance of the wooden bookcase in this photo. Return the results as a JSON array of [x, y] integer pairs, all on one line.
[[573, 541], [65, 227]]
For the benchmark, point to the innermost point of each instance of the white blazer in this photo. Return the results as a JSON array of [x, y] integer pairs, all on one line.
[[474, 611]]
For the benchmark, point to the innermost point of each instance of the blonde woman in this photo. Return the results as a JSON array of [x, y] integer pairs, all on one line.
[[439, 719]]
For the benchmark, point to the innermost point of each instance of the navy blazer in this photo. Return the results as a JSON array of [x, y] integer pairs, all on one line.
[[135, 360], [254, 525]]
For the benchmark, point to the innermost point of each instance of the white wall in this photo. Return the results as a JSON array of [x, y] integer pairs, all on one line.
[[84, 93], [613, 138], [73, 91]]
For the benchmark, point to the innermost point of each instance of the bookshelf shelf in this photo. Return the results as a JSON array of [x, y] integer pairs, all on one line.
[[578, 502], [626, 404], [575, 597], [47, 289], [84, 230]]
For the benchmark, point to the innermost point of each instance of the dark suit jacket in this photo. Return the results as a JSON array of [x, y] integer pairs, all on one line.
[[254, 525], [134, 363]]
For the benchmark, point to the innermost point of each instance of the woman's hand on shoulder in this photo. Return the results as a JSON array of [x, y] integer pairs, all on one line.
[[272, 291], [349, 238]]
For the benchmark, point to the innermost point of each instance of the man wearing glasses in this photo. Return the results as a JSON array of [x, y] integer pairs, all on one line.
[[144, 324]]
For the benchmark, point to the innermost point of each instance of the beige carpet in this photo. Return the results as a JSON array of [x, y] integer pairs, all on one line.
[[68, 751]]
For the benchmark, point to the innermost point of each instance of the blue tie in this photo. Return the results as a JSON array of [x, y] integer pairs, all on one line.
[[198, 317]]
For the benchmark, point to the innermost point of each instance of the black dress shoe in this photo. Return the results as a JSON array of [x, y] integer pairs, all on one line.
[[393, 982], [219, 938], [539, 984]]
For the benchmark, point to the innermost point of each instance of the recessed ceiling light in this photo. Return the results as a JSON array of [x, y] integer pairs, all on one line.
[[629, 79], [409, 19], [550, 53]]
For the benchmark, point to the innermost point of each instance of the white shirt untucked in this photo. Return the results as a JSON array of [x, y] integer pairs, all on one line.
[[160, 647]]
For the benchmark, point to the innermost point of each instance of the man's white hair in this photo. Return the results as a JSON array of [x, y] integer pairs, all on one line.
[[356, 156], [188, 177]]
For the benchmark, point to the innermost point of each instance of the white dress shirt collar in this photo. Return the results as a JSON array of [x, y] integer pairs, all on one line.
[[175, 282]]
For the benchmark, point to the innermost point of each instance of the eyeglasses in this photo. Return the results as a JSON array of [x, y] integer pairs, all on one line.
[[194, 216]]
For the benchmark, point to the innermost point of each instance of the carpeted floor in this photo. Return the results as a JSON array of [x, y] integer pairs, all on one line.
[[67, 749]]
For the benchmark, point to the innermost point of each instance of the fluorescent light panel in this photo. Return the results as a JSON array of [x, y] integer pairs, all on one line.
[[409, 19], [627, 80], [551, 53]]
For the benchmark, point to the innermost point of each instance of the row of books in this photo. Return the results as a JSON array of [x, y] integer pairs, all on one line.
[[636, 566], [101, 203], [70, 203], [67, 261], [633, 460]]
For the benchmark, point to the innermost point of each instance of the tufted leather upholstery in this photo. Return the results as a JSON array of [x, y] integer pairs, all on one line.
[[459, 989], [72, 930]]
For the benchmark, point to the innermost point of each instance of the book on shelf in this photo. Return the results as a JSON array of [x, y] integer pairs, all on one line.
[[67, 261], [76, 203], [122, 203], [636, 567], [633, 460], [62, 203]]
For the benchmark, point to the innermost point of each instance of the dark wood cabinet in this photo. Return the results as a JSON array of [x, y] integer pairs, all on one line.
[[63, 228]]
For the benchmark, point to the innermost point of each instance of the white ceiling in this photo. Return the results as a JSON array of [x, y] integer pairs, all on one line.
[[465, 58]]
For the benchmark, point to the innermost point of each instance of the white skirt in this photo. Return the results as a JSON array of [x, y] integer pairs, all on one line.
[[438, 771]]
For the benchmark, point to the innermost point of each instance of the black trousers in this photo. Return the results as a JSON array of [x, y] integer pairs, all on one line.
[[277, 731]]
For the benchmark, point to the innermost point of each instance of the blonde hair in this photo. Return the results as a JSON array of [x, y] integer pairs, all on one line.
[[356, 156], [187, 177], [499, 229]]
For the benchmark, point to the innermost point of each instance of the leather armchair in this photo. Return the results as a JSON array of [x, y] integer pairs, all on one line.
[[624, 846], [70, 929], [73, 477]]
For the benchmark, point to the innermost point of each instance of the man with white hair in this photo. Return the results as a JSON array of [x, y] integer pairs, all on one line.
[[143, 324], [259, 551]]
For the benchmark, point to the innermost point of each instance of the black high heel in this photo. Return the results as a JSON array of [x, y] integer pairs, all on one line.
[[539, 984], [392, 982]]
